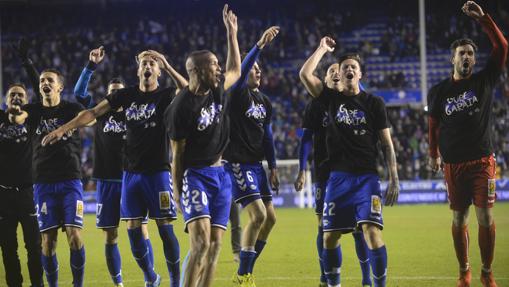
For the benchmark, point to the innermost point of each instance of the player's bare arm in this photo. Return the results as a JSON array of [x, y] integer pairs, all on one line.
[[268, 36], [392, 194], [233, 62], [178, 79], [97, 55], [300, 181], [312, 83], [84, 118], [177, 167]]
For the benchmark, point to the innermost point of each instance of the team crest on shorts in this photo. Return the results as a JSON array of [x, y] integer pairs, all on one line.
[[376, 204], [79, 208], [491, 187], [164, 200]]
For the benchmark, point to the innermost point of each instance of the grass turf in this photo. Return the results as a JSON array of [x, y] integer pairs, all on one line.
[[418, 240]]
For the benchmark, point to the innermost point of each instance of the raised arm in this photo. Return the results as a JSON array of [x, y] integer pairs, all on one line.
[[33, 75], [306, 143], [497, 39], [81, 87], [392, 194], [312, 83], [232, 73], [179, 81], [84, 118], [253, 55]]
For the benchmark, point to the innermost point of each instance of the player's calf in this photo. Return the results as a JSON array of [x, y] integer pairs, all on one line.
[[377, 253]]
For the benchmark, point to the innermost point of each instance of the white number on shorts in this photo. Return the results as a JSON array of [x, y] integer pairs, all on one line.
[[204, 198], [249, 176], [196, 194], [44, 208], [328, 209]]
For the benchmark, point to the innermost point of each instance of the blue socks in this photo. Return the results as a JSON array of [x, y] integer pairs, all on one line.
[[247, 259], [332, 259], [113, 262], [140, 252], [319, 248], [378, 260], [78, 266], [171, 252], [259, 245], [50, 265], [362, 254], [150, 251]]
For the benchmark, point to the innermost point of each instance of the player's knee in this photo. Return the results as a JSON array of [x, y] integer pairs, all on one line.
[[215, 248], [111, 235], [200, 249], [258, 218], [373, 236], [74, 239], [484, 218], [460, 218], [133, 224], [49, 244], [331, 239], [271, 219]]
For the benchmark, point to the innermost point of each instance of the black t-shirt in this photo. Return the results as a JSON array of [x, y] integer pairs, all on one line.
[[463, 109], [146, 147], [316, 119], [15, 154], [249, 112], [203, 122], [109, 142], [60, 161], [352, 133]]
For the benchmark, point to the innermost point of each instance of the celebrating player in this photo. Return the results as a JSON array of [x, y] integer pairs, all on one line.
[[357, 121], [315, 124], [109, 141], [16, 191], [146, 180], [251, 141], [198, 126], [460, 137]]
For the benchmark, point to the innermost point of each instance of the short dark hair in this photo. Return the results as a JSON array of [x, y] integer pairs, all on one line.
[[351, 56], [198, 57], [462, 42], [60, 76], [21, 85], [116, 80]]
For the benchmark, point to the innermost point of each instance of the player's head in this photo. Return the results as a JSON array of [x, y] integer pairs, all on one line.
[[148, 68], [350, 70], [463, 57], [51, 83], [254, 77], [115, 84], [16, 95], [204, 67], [332, 79]]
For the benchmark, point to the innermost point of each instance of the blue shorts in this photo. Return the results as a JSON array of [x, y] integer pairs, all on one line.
[[206, 193], [249, 183], [319, 189], [108, 204], [59, 204], [142, 193], [351, 200]]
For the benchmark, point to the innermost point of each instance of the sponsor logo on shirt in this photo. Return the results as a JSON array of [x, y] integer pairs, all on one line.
[[460, 103], [48, 125], [350, 117], [140, 112], [208, 115], [18, 133], [257, 112], [112, 126]]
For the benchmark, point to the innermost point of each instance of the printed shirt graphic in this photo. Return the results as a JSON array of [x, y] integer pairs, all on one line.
[[202, 122], [352, 132], [146, 146], [250, 111], [60, 161], [463, 109], [109, 142], [316, 118], [15, 153]]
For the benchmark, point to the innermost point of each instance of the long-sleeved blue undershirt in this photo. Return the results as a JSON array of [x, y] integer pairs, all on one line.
[[246, 66], [268, 146], [306, 142], [81, 87]]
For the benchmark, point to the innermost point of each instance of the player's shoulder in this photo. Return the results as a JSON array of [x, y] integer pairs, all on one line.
[[372, 98]]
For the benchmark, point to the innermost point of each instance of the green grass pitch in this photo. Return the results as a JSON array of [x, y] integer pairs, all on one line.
[[417, 237]]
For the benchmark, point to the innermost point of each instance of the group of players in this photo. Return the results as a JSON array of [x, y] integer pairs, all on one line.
[[219, 127]]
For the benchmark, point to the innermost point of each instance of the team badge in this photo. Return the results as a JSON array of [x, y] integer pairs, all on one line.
[[491, 187], [376, 204], [79, 208], [164, 200]]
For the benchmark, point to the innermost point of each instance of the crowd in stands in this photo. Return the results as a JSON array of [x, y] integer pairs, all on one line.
[[64, 43]]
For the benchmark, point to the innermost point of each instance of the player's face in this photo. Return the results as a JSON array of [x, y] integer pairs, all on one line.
[[464, 60], [16, 96], [49, 85], [114, 87], [332, 78], [211, 72], [148, 69], [254, 77], [350, 73]]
